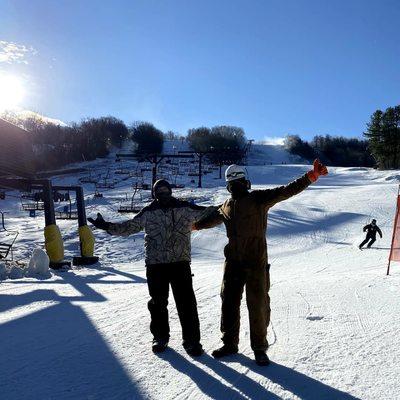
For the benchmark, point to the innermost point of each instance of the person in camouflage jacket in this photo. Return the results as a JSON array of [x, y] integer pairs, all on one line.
[[167, 223], [246, 260]]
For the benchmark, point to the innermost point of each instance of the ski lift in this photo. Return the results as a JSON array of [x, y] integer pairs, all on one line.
[[7, 240], [136, 203], [106, 182], [174, 177], [137, 173], [88, 179], [122, 170], [32, 201], [192, 173], [67, 212]]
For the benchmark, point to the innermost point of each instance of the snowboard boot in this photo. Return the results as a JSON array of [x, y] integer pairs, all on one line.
[[261, 357], [194, 349], [159, 345], [225, 350]]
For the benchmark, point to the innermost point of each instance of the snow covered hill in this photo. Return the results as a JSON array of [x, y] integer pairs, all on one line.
[[265, 154], [83, 334]]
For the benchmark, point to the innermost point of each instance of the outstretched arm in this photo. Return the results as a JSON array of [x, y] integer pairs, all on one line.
[[273, 196], [126, 228], [196, 212], [379, 231], [209, 221]]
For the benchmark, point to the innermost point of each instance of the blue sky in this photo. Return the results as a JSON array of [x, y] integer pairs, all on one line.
[[272, 67]]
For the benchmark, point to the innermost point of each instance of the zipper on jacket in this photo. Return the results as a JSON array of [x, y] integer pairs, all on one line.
[[234, 226]]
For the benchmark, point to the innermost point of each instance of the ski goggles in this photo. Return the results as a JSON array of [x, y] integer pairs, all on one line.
[[235, 175], [162, 191]]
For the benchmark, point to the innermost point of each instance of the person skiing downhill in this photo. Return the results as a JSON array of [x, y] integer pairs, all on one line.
[[372, 229], [167, 223], [246, 263]]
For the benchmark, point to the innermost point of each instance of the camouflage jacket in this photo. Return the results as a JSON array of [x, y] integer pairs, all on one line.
[[167, 230]]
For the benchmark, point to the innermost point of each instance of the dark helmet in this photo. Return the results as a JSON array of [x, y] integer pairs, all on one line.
[[161, 183], [373, 221]]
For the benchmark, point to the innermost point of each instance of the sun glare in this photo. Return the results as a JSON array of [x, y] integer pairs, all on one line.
[[11, 92]]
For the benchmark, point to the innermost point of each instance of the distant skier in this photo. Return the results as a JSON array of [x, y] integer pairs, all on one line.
[[372, 229], [167, 223], [246, 258]]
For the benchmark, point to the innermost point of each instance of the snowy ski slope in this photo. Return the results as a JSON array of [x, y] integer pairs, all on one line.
[[83, 334]]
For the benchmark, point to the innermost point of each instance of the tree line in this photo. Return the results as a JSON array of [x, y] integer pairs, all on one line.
[[57, 145], [380, 147], [335, 151]]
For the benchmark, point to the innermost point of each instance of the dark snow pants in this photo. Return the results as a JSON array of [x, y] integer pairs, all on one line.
[[179, 276], [257, 282], [372, 241]]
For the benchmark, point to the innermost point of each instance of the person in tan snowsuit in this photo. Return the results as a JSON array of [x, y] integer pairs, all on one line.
[[246, 262]]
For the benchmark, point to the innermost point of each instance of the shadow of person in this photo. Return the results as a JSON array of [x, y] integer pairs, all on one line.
[[242, 387], [295, 382], [57, 352], [114, 271]]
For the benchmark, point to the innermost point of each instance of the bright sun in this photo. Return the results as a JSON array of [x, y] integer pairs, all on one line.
[[11, 92]]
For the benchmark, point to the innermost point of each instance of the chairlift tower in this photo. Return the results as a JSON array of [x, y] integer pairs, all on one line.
[[155, 160]]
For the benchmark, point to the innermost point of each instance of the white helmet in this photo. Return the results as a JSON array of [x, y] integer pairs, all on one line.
[[234, 172]]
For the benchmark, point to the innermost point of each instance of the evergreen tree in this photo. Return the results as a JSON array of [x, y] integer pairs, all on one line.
[[383, 133]]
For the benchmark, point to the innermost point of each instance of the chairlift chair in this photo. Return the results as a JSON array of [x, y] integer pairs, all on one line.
[[67, 212], [32, 201], [135, 204], [7, 240], [122, 170], [105, 184], [88, 179]]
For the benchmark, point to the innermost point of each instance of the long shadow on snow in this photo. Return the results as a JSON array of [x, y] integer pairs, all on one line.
[[212, 386], [112, 270], [295, 382], [284, 222], [57, 353]]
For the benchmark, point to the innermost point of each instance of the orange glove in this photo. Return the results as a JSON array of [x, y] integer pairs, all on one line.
[[319, 169]]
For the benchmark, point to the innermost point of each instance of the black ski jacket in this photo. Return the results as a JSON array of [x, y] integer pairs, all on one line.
[[372, 230]]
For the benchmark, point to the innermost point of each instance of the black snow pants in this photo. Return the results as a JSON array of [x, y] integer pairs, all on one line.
[[179, 276], [371, 238]]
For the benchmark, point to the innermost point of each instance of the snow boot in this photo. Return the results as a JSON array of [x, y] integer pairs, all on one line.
[[225, 350], [261, 357], [159, 345], [194, 349]]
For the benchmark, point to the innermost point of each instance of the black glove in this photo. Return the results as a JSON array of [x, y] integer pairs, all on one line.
[[99, 222]]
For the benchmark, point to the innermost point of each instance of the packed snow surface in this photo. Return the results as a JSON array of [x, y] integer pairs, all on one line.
[[84, 333]]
